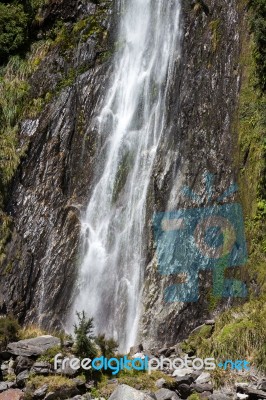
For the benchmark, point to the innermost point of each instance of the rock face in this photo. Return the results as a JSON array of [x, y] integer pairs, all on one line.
[[53, 183]]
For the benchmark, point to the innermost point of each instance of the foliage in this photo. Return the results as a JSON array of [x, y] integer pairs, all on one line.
[[85, 346], [108, 346], [31, 331], [258, 26], [13, 29], [9, 330]]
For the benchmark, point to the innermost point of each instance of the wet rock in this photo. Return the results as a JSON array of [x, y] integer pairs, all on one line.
[[12, 394], [33, 347], [165, 394], [126, 392]]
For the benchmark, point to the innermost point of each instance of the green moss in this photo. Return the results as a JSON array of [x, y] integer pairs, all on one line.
[[197, 340], [215, 34]]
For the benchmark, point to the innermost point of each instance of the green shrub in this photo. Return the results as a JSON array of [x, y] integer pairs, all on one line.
[[13, 29], [84, 336], [9, 330], [108, 346]]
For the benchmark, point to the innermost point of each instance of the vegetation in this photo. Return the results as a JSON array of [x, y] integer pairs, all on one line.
[[258, 26], [54, 382], [9, 331], [85, 346], [239, 333]]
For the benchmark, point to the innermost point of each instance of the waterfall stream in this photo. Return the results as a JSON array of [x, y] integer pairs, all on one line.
[[130, 126]]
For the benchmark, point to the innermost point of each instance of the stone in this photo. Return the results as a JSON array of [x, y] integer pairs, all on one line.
[[165, 394], [184, 390], [33, 347], [188, 379], [254, 394], [12, 394], [41, 368], [182, 372], [67, 370], [217, 395], [205, 395], [136, 349], [202, 387], [41, 392], [3, 386], [22, 378], [262, 385], [242, 396], [123, 392], [22, 363], [160, 382], [203, 378], [210, 322]]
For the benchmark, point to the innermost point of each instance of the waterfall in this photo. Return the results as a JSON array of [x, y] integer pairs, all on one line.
[[130, 127]]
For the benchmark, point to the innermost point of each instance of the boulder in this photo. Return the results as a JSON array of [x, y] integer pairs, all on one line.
[[262, 385], [203, 378], [3, 386], [41, 392], [184, 390], [165, 394], [124, 392], [160, 382], [217, 395], [33, 347], [6, 385], [202, 387], [12, 394], [22, 363], [253, 394], [205, 395], [182, 371], [188, 379], [41, 368], [21, 378]]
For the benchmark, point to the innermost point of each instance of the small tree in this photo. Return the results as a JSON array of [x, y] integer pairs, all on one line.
[[108, 346], [85, 347]]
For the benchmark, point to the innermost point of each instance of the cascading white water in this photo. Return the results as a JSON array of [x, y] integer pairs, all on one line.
[[130, 126]]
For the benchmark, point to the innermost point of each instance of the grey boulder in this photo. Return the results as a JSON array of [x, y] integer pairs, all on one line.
[[125, 392], [165, 394], [33, 347]]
